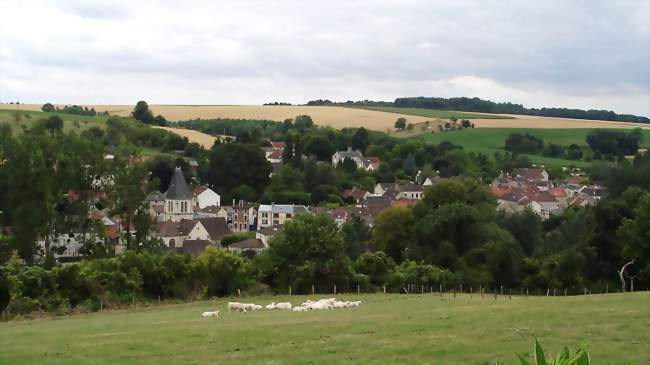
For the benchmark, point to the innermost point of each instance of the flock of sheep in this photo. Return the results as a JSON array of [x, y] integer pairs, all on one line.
[[327, 303]]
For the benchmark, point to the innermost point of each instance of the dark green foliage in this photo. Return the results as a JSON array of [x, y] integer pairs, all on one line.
[[234, 164], [142, 113], [526, 143], [231, 238], [554, 150], [611, 142], [400, 123], [574, 152], [48, 107], [360, 140]]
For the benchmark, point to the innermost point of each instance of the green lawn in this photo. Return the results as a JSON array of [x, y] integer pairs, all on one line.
[[433, 113], [490, 140], [386, 329], [29, 118]]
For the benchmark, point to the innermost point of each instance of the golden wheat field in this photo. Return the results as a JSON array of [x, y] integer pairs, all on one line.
[[340, 117], [205, 140]]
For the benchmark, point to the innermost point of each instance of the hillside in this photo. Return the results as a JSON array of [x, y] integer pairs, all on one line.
[[385, 329], [490, 140], [21, 119]]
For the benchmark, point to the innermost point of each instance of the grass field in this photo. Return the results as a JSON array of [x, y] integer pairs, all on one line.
[[29, 118], [433, 113], [490, 140], [386, 329]]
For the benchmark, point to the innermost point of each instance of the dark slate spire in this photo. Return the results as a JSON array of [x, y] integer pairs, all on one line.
[[178, 189]]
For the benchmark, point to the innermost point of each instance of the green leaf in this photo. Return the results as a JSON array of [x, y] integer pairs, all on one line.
[[523, 360], [540, 359]]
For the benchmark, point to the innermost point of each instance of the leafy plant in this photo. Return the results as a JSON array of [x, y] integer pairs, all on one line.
[[581, 357]]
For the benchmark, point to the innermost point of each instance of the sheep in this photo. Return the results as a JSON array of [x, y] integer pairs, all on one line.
[[237, 306], [256, 307], [210, 314], [271, 306], [338, 304], [283, 305], [299, 308], [354, 304]]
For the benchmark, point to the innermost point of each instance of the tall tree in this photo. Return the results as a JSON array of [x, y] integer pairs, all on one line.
[[361, 140], [130, 189], [235, 164], [142, 113], [393, 232]]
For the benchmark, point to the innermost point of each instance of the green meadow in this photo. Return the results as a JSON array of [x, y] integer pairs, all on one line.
[[490, 140], [433, 113], [386, 329], [19, 120]]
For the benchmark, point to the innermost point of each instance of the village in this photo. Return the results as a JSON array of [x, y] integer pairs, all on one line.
[[189, 217]]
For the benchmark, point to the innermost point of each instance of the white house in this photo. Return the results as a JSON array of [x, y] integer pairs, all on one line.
[[205, 197], [354, 155], [269, 215]]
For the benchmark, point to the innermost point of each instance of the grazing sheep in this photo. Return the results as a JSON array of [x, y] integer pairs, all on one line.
[[299, 308], [271, 306], [354, 304], [283, 305], [338, 304], [236, 306], [210, 314], [256, 307]]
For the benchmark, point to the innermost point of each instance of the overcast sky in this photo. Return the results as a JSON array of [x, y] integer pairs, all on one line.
[[584, 54]]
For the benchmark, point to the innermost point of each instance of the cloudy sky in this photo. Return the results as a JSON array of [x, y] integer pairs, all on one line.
[[585, 54]]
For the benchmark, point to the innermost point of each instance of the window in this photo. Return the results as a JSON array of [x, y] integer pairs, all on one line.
[[236, 216], [276, 215], [288, 215], [265, 215]]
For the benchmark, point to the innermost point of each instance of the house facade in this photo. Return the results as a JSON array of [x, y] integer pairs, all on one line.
[[269, 215]]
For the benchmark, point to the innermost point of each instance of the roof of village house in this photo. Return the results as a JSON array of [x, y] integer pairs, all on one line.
[[279, 144], [155, 196], [283, 208], [178, 189], [355, 193], [535, 174], [199, 189], [193, 247], [175, 229], [371, 161], [217, 227], [349, 153], [499, 191], [409, 187], [209, 209], [558, 192], [242, 205], [275, 154], [593, 190], [404, 202], [270, 231], [249, 244]]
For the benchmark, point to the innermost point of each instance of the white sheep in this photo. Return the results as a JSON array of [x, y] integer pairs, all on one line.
[[271, 306], [236, 306], [210, 314], [256, 307], [283, 305], [354, 304], [338, 304], [299, 308]]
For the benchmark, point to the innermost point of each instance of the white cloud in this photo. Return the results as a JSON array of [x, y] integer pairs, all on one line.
[[555, 53]]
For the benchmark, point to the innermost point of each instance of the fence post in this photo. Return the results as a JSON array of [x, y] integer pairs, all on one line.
[[565, 291], [334, 288], [289, 289], [585, 292], [441, 290], [510, 293], [470, 291], [239, 292], [607, 288], [358, 289], [454, 293], [430, 289], [548, 291], [421, 288], [526, 291], [554, 291], [313, 289], [495, 293], [501, 289], [384, 289], [461, 287]]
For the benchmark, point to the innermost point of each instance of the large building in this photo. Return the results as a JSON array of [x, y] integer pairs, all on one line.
[[178, 199], [276, 214]]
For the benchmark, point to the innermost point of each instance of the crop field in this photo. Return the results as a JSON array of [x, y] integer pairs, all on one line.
[[336, 117], [490, 140], [386, 329], [204, 139], [20, 119]]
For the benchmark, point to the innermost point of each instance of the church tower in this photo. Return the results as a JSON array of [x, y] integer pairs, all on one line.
[[178, 198]]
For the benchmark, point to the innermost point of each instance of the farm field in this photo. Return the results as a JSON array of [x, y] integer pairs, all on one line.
[[29, 118], [201, 138], [490, 140], [336, 117], [386, 329]]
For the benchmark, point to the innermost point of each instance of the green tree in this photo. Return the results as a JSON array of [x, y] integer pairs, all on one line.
[[635, 235], [356, 235], [309, 251], [303, 122], [235, 164], [393, 232], [130, 188], [54, 124], [142, 113], [48, 107], [360, 140], [400, 123]]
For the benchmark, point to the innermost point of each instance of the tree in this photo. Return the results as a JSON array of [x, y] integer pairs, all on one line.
[[574, 152], [287, 152], [410, 168], [309, 251], [303, 122], [142, 113], [235, 164], [635, 235], [454, 191], [48, 107], [320, 147], [360, 140], [129, 190], [393, 232], [54, 124], [356, 235], [400, 123]]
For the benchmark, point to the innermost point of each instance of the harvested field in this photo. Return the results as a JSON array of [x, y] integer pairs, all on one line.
[[341, 117], [205, 140], [337, 117]]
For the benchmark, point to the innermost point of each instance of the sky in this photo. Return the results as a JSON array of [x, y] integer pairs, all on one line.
[[554, 53]]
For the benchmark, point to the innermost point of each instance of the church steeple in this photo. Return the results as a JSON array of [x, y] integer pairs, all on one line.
[[178, 189]]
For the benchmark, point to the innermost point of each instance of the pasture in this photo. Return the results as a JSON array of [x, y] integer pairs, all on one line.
[[490, 140], [19, 120], [386, 329]]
